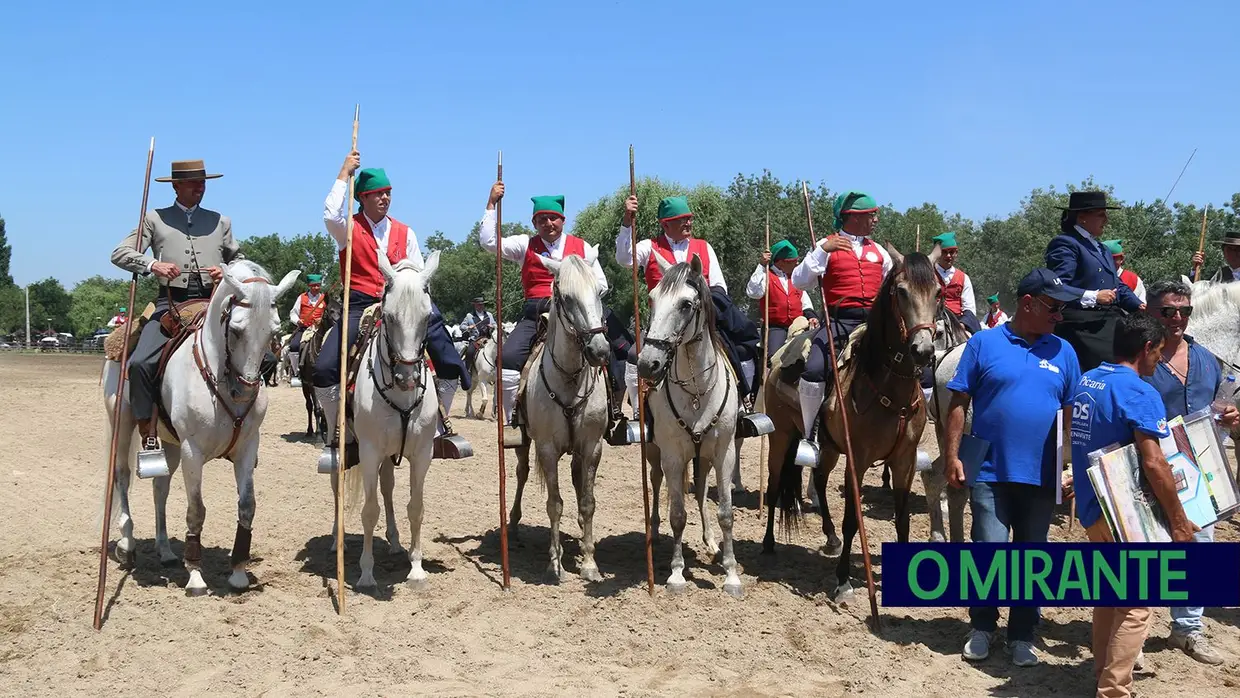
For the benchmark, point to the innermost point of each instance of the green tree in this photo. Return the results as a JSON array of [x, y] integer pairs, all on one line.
[[6, 257], [48, 300], [94, 302], [310, 253], [13, 311]]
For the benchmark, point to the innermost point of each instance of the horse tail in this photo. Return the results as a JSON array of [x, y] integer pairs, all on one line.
[[352, 489], [789, 497]]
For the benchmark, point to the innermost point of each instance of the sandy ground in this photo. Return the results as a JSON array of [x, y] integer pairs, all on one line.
[[462, 635]]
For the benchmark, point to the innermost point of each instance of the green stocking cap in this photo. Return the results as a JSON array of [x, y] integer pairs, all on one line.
[[314, 278], [852, 202], [674, 207], [549, 204], [947, 241], [371, 180], [1114, 246], [122, 310], [783, 250], [992, 299]]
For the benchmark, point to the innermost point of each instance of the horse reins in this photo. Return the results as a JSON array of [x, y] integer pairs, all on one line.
[[569, 376], [393, 361]]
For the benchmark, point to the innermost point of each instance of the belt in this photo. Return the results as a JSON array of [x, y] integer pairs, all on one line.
[[849, 314]]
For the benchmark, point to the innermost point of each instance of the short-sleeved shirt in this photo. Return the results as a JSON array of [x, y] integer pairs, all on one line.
[[1017, 389], [1204, 376], [1111, 404]]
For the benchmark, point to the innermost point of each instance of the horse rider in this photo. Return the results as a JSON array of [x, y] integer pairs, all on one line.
[[995, 316], [770, 284], [1230, 271], [1081, 261], [306, 312], [186, 247], [536, 280], [958, 296], [478, 324], [739, 334], [1127, 276], [374, 230], [118, 319], [851, 269]]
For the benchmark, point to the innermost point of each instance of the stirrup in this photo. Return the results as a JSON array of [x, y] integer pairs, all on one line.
[[753, 424], [515, 436], [328, 457], [151, 461], [449, 445], [807, 455]]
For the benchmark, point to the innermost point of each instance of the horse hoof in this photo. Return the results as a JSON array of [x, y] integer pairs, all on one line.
[[734, 590], [591, 574], [194, 592], [844, 594], [678, 588], [366, 582], [418, 584], [833, 548], [239, 581], [552, 577]]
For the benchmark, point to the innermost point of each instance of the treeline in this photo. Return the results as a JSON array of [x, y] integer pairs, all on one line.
[[1159, 240]]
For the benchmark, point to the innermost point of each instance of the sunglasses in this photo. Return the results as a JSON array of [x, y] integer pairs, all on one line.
[[1184, 311], [1053, 309]]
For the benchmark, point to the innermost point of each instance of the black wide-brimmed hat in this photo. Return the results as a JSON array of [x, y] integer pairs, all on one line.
[[185, 170], [479, 299], [1087, 201], [1231, 237]]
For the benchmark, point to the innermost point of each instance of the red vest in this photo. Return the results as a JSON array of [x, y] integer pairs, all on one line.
[[953, 292], [366, 277], [783, 306], [537, 279], [660, 246], [311, 312], [992, 318], [851, 281], [1130, 279]]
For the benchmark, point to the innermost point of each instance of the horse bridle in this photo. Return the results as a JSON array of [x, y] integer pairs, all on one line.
[[906, 333], [671, 345], [393, 360], [581, 337]]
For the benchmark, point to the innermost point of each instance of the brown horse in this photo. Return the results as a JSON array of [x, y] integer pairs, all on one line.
[[886, 411]]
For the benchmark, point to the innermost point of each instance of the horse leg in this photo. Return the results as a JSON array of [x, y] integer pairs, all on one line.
[[587, 466], [160, 487], [126, 546], [523, 475], [674, 472], [843, 583], [548, 460], [369, 458], [417, 481], [307, 392], [387, 482], [656, 481], [732, 580], [935, 483], [700, 486], [243, 470], [196, 514], [820, 475], [469, 398], [335, 485]]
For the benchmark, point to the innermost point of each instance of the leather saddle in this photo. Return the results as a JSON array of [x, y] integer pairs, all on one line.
[[126, 333]]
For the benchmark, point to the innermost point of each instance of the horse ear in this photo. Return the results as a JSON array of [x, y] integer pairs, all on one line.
[[1186, 280], [936, 253], [591, 255], [287, 282], [430, 266], [663, 264], [696, 264], [551, 265], [232, 283], [895, 254], [385, 266]]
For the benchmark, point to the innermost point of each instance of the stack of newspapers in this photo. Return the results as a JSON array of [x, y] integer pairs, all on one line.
[[1203, 478]]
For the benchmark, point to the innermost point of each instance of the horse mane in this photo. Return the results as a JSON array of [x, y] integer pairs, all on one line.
[[576, 277], [919, 271], [1209, 297], [398, 302], [683, 274]]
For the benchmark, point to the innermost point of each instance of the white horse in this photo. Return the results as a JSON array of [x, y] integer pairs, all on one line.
[[483, 380], [940, 495], [694, 406], [211, 389], [396, 410], [565, 405]]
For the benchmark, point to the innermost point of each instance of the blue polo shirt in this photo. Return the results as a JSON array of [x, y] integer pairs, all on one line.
[[1110, 405], [1017, 388], [1204, 376]]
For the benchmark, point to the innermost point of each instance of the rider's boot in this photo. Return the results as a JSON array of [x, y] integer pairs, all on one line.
[[617, 425], [811, 395], [514, 433]]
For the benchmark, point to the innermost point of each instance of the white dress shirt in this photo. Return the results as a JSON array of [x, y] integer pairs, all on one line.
[[515, 247], [756, 288], [967, 301], [337, 220], [680, 252], [807, 273], [294, 315]]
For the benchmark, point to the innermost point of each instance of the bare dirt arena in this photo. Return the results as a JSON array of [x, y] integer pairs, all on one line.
[[463, 635]]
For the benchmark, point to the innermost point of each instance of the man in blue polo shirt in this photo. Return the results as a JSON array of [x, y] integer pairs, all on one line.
[[1019, 377], [1187, 378], [1113, 405]]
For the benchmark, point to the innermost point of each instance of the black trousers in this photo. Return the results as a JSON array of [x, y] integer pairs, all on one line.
[[294, 344], [843, 322], [520, 341], [144, 359], [1091, 332]]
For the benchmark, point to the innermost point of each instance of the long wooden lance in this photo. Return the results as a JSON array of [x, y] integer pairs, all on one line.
[[853, 476], [1201, 243], [766, 351], [917, 246], [341, 435], [641, 397], [499, 362], [118, 403]]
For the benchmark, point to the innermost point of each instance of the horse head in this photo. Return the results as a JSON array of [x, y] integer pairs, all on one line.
[[909, 299], [249, 319], [681, 312], [576, 307], [406, 315]]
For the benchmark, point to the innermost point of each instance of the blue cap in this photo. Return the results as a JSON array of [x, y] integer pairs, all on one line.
[[1043, 282]]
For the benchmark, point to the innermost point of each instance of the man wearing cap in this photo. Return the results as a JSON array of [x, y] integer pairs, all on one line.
[[1080, 260], [306, 311], [850, 268], [374, 230], [770, 283], [536, 280], [1127, 276], [1018, 377], [1230, 271], [477, 324], [677, 244], [995, 316], [958, 296], [186, 247], [118, 319]]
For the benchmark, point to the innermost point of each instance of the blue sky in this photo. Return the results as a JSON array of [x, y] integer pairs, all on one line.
[[969, 105]]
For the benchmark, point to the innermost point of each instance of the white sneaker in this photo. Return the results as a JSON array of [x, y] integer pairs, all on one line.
[[977, 645]]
